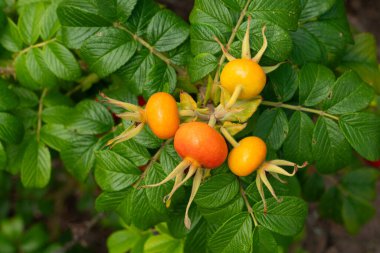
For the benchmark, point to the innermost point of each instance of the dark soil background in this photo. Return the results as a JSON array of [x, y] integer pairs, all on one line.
[[325, 236]]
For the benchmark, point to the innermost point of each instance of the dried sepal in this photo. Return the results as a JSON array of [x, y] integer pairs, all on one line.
[[263, 48], [196, 183]]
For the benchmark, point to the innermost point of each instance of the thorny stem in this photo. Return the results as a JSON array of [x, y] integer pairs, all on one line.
[[152, 161], [36, 46], [249, 208], [39, 114], [299, 108], [231, 39], [154, 51]]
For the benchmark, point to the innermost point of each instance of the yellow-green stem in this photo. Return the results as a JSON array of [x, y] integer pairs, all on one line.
[[151, 162], [249, 208], [39, 113], [300, 108], [229, 137], [231, 39], [36, 46]]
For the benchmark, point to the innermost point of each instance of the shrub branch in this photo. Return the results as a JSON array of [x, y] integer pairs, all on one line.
[[300, 108], [39, 114], [154, 51]]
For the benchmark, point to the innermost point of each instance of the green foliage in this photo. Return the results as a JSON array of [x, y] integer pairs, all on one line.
[[317, 107]]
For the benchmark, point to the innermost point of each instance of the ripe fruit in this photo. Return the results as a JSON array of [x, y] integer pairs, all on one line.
[[161, 114], [244, 72], [199, 142], [200, 146], [247, 156]]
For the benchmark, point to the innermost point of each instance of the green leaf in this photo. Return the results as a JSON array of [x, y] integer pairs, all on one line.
[[362, 58], [362, 132], [8, 99], [163, 243], [112, 201], [148, 208], [122, 241], [314, 8], [162, 77], [17, 153], [202, 39], [355, 213], [81, 13], [234, 234], [306, 47], [57, 136], [36, 165], [113, 172], [73, 37], [282, 13], [176, 225], [217, 191], [315, 82], [60, 114], [29, 23], [361, 183], [38, 69], [141, 16], [23, 74], [166, 31], [91, 118], [263, 240], [133, 151], [180, 55], [279, 40], [286, 218], [27, 98], [349, 94], [330, 205], [169, 158], [11, 128], [211, 12], [330, 149], [148, 139], [49, 24], [79, 157], [291, 188], [196, 240], [297, 146], [236, 5], [284, 81], [217, 216], [61, 61], [331, 31], [3, 157], [136, 72], [108, 50], [272, 126], [313, 187], [202, 65], [11, 38], [124, 9]]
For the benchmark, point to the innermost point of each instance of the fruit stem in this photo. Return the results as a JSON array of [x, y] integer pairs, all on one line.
[[249, 208], [39, 113], [229, 137], [234, 96], [154, 51], [151, 162], [212, 121], [231, 39], [299, 108]]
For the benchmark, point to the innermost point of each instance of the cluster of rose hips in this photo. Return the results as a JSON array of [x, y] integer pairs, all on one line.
[[201, 145]]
